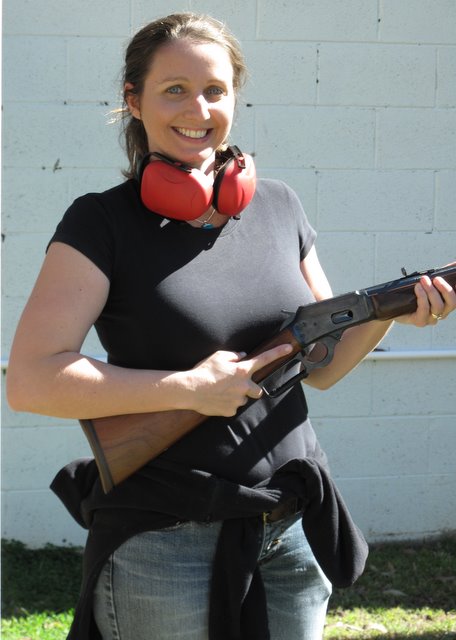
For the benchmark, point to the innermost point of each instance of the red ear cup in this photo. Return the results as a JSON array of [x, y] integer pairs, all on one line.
[[175, 190], [234, 185]]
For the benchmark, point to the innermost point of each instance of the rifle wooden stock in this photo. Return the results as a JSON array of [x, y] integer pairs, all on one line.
[[123, 444]]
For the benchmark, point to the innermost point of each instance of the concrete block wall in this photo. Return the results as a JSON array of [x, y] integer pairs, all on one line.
[[353, 104]]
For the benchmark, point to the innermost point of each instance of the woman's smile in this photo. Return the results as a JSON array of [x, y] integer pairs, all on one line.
[[196, 134]]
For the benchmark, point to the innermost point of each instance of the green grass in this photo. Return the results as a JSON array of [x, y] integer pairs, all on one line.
[[408, 592], [39, 591]]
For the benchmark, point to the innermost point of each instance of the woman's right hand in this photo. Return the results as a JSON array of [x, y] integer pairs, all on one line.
[[222, 383]]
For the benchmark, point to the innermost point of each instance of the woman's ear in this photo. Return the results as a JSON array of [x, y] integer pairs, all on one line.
[[132, 100]]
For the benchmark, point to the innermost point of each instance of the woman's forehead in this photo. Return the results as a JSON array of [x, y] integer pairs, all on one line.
[[180, 58]]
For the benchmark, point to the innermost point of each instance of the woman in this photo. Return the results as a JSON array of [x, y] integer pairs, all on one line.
[[207, 540]]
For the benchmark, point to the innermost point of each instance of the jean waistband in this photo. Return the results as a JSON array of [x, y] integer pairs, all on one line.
[[288, 508]]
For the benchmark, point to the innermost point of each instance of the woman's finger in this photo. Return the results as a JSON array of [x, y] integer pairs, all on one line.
[[269, 356]]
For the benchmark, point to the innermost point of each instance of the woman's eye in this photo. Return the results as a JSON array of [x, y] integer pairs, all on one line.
[[215, 91], [176, 89]]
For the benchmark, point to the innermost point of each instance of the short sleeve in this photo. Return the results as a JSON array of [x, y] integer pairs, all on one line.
[[306, 232], [88, 227]]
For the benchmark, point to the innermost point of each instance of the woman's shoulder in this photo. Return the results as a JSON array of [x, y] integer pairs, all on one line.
[[114, 197], [111, 208], [273, 186], [277, 202], [276, 194], [96, 223], [97, 212]]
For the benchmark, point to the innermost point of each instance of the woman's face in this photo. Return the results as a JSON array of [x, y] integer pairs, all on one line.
[[188, 101]]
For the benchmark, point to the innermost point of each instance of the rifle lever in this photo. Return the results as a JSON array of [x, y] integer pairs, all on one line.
[[277, 391], [329, 342]]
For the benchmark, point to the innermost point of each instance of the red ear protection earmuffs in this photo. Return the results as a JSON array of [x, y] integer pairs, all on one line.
[[176, 190]]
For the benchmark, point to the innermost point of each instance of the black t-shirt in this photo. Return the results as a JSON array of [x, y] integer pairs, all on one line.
[[179, 293], [176, 295]]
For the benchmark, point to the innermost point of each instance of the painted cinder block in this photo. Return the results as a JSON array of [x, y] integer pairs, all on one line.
[[352, 396], [404, 338], [390, 445], [442, 445], [38, 518], [401, 508], [239, 15], [40, 453], [376, 74], [376, 200], [414, 388], [21, 274], [52, 18], [269, 84], [60, 136], [446, 74], [413, 250], [416, 138], [243, 131], [23, 211], [348, 259], [316, 20], [445, 196], [42, 61], [420, 21], [310, 137], [101, 82]]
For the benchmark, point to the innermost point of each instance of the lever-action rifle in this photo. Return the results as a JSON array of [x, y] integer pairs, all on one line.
[[123, 444]]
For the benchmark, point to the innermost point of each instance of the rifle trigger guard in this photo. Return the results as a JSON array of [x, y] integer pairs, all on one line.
[[274, 393], [329, 341]]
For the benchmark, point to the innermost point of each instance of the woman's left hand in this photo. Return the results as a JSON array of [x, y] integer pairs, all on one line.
[[436, 299]]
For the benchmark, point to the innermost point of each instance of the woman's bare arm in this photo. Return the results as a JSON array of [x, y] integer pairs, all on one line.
[[47, 374]]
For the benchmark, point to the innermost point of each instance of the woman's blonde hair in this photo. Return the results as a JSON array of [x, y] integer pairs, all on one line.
[[139, 56]]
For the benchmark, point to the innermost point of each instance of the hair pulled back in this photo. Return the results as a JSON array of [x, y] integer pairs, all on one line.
[[139, 57]]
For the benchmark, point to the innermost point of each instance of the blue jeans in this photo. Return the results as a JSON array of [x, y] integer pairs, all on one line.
[[156, 585]]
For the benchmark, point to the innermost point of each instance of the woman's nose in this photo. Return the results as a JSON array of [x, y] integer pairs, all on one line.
[[198, 106]]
